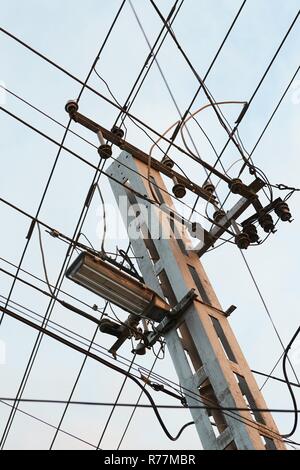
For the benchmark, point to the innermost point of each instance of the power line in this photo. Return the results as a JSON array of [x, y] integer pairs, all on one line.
[[149, 62], [249, 102], [272, 115], [269, 376], [142, 405], [60, 278], [196, 397], [267, 310], [200, 80], [84, 84], [72, 346], [30, 415], [115, 404], [260, 83], [284, 369], [74, 245], [265, 128], [101, 361], [278, 379], [180, 149], [100, 348], [47, 115], [78, 378], [173, 100], [68, 402], [135, 407], [128, 188], [186, 113], [75, 336]]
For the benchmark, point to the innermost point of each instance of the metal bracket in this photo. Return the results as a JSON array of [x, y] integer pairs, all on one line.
[[218, 230], [262, 210], [174, 317]]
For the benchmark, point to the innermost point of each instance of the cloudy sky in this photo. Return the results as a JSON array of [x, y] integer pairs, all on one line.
[[71, 33]]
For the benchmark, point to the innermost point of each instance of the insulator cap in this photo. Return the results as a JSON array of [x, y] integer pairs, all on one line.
[[242, 240], [266, 222], [118, 131], [283, 212], [179, 190], [167, 162], [209, 187], [71, 107], [236, 185], [105, 151], [218, 215], [251, 231], [140, 350]]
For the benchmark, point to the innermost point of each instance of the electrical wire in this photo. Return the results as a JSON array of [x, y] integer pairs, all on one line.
[[249, 422], [84, 85], [260, 83], [272, 115], [149, 372], [284, 369], [30, 415], [173, 100], [116, 403], [207, 93], [44, 259], [278, 379], [192, 395], [128, 188], [77, 348], [265, 129], [78, 135], [104, 219], [114, 98], [60, 278], [47, 115], [85, 161], [142, 405], [135, 407], [136, 88], [186, 113], [194, 113], [68, 402], [103, 362], [139, 367], [106, 99], [267, 311]]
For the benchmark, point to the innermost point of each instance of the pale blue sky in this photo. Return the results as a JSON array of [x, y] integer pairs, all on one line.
[[70, 33]]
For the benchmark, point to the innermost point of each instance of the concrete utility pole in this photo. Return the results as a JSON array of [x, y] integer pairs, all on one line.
[[208, 360], [210, 365]]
